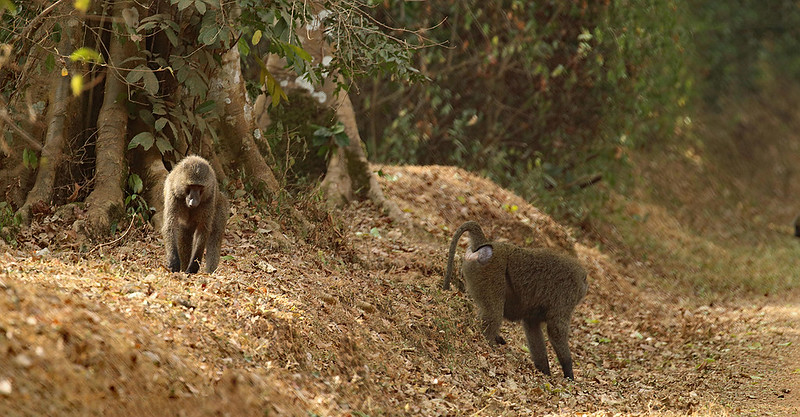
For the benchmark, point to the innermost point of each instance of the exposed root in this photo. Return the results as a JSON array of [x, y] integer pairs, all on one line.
[[349, 172]]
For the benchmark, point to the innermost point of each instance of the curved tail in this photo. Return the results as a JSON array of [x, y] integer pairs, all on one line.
[[477, 239]]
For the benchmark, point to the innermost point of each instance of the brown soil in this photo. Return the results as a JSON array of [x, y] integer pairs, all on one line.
[[351, 321]]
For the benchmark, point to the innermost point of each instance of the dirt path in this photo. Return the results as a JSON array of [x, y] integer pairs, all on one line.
[[355, 323], [781, 375]]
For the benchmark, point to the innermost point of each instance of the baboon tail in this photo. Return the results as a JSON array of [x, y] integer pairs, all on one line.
[[478, 239]]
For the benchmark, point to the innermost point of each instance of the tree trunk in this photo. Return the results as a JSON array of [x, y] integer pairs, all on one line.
[[150, 167], [236, 124], [348, 169], [106, 201], [52, 155], [348, 175]]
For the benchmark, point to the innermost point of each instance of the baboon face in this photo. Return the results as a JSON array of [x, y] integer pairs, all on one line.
[[199, 184], [194, 195]]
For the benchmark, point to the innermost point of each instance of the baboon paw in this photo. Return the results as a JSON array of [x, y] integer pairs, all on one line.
[[499, 340]]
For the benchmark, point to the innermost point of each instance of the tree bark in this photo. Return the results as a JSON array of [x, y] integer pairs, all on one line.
[[106, 201], [52, 155], [349, 171], [236, 124], [150, 167], [348, 175]]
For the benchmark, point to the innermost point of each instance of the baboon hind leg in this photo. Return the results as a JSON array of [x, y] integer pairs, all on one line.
[[533, 333], [558, 331]]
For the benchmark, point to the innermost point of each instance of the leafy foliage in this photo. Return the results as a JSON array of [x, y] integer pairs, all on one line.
[[9, 222], [743, 45], [178, 46], [326, 139], [135, 204], [304, 133], [536, 95]]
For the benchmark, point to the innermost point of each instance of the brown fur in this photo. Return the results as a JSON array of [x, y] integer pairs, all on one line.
[[534, 286], [195, 213], [797, 226]]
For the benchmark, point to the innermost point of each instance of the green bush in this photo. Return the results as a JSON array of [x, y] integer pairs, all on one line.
[[536, 95]]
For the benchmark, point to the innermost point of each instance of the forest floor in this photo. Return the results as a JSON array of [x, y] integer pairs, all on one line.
[[349, 319]]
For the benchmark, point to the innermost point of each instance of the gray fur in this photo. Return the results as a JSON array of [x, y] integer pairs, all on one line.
[[534, 286], [195, 213]]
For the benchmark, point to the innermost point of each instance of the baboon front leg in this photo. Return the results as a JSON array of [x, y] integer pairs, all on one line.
[[490, 326], [491, 317], [533, 333], [173, 257], [198, 247], [214, 242], [559, 338], [185, 246]]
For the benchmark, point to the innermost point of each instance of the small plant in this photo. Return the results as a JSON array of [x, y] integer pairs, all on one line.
[[9, 222], [327, 139], [135, 204]]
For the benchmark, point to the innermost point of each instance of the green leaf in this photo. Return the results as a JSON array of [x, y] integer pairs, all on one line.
[[144, 139], [159, 108], [341, 140], [163, 144], [256, 37], [50, 63], [86, 55], [206, 107], [244, 48], [136, 74], [173, 128], [29, 159], [135, 183], [209, 29], [150, 82], [274, 89], [200, 6], [300, 52], [182, 4], [8, 5], [160, 123], [173, 38]]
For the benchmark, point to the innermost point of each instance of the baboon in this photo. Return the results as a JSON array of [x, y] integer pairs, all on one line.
[[195, 213], [797, 226], [534, 286]]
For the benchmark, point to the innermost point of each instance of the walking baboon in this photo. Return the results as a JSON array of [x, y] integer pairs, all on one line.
[[534, 286], [797, 226], [195, 213]]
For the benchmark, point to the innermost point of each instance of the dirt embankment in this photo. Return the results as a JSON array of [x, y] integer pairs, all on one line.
[[351, 320]]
